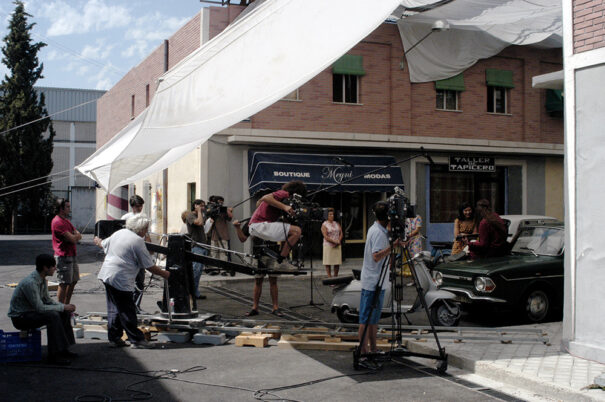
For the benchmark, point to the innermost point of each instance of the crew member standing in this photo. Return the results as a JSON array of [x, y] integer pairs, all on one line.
[[197, 231], [65, 237], [136, 204], [377, 249], [125, 255]]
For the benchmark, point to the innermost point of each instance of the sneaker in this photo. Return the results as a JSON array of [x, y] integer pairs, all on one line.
[[120, 343], [367, 364], [142, 345], [285, 265]]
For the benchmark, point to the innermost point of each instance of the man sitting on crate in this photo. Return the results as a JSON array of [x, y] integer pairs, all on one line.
[[31, 307]]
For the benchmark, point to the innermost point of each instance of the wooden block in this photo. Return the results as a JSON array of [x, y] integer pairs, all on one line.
[[296, 338], [274, 335], [12, 285], [332, 339], [53, 286], [258, 341]]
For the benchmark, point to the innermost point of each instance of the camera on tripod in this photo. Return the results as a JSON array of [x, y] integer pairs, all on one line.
[[399, 209], [305, 211]]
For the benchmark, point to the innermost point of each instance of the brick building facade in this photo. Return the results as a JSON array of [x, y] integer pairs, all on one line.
[[391, 116]]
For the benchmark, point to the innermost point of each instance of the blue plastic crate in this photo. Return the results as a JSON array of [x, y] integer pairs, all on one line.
[[15, 348]]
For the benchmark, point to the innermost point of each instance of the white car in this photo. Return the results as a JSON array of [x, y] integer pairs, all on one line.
[[516, 222]]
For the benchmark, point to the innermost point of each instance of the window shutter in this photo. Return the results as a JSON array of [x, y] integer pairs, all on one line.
[[349, 64], [499, 78], [455, 83]]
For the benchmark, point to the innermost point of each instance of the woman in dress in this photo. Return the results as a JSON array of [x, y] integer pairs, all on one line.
[[414, 236], [465, 224], [332, 252]]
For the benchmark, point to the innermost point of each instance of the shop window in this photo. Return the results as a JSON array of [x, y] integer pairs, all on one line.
[[345, 78], [450, 189], [447, 100]]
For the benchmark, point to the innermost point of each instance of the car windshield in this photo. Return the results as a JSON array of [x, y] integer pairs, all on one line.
[[540, 241]]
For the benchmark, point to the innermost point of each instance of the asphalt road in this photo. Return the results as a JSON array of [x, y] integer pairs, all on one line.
[[192, 372]]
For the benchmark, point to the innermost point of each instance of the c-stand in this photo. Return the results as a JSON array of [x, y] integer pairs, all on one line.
[[389, 266], [300, 260]]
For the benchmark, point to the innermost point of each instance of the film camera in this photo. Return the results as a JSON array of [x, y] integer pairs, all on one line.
[[214, 210], [305, 211], [399, 210]]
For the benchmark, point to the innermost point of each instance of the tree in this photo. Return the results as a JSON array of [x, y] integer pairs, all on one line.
[[26, 151]]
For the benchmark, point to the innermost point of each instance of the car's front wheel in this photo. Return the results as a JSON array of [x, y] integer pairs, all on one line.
[[445, 315], [345, 316], [537, 305]]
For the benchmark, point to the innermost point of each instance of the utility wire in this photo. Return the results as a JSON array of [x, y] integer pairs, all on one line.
[[38, 178], [35, 185], [47, 117]]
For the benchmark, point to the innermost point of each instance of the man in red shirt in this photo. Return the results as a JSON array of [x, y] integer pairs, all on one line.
[[65, 237], [264, 225]]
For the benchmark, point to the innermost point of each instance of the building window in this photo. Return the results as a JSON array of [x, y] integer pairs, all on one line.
[[497, 101], [132, 107], [190, 194], [345, 88], [146, 95], [292, 96], [345, 78], [447, 100], [499, 83], [448, 92]]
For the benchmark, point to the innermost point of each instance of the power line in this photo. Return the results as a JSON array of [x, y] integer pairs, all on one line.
[[46, 117], [37, 178], [35, 185]]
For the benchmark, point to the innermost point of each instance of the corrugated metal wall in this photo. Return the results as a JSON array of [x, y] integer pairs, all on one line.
[[58, 99]]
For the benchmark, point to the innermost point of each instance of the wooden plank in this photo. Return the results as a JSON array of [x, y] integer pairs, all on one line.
[[322, 345], [258, 341]]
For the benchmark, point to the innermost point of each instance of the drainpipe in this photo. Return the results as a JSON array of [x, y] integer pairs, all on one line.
[[165, 171]]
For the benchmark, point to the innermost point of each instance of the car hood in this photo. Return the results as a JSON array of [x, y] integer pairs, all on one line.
[[490, 266]]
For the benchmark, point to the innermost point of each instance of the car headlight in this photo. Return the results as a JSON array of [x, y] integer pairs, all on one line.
[[484, 284], [438, 278]]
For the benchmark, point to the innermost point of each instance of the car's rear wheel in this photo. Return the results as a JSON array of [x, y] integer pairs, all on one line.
[[537, 305]]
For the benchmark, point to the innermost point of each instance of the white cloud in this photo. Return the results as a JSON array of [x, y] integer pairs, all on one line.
[[149, 30], [94, 15], [103, 79], [99, 52]]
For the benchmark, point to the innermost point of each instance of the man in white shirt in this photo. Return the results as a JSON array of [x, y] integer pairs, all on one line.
[[136, 204], [125, 255]]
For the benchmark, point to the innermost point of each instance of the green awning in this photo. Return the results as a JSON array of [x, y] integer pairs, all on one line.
[[349, 64], [455, 83], [554, 101], [499, 78]]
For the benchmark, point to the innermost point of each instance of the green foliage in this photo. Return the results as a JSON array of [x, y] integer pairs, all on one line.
[[25, 152]]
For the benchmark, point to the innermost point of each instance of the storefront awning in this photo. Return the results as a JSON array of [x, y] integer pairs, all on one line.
[[270, 170]]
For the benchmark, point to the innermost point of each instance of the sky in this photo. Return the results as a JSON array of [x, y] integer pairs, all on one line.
[[92, 44]]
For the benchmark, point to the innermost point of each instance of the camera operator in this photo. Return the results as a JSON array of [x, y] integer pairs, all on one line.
[[197, 226], [376, 250], [264, 225], [219, 231]]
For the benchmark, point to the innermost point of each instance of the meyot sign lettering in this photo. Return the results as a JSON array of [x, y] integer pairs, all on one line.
[[472, 164]]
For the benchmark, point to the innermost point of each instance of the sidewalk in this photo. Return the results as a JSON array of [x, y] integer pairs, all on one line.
[[542, 369]]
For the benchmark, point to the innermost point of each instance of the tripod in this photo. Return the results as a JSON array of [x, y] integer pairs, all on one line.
[[300, 262], [389, 267]]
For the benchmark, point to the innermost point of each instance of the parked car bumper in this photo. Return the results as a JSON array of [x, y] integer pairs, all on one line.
[[466, 296]]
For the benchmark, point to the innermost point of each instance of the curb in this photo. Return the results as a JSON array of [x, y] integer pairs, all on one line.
[[509, 377]]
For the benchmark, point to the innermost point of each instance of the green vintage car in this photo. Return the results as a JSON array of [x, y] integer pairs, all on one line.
[[529, 280]]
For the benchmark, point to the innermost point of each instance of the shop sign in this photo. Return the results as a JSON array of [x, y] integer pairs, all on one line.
[[472, 164]]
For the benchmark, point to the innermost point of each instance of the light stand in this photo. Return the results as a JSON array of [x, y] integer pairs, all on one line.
[[300, 261]]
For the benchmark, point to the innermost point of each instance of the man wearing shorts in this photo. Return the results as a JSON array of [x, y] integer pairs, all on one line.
[[376, 250], [65, 237], [264, 225]]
